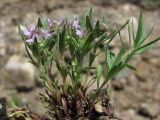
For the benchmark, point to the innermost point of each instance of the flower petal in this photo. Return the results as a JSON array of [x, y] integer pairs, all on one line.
[[75, 23], [26, 32], [30, 40], [79, 33]]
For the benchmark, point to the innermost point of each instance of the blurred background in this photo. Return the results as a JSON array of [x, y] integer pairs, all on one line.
[[135, 95]]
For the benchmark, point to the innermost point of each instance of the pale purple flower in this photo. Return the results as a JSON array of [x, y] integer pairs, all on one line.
[[30, 40], [75, 24], [58, 22], [31, 34], [77, 27], [46, 34], [79, 33], [30, 31], [27, 33]]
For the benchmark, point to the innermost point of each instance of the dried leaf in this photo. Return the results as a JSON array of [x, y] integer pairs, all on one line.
[[98, 107]]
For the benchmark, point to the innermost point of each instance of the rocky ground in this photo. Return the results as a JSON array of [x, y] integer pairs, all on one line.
[[135, 95]]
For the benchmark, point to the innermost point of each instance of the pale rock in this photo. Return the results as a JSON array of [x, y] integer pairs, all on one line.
[[30, 18], [149, 110], [6, 93], [17, 48], [18, 72], [129, 9], [62, 13], [3, 46]]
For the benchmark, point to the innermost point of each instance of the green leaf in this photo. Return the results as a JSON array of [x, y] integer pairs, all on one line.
[[72, 50], [91, 82], [30, 56], [47, 85], [146, 35], [128, 57], [119, 57], [82, 19], [108, 59], [132, 28], [120, 38], [39, 23], [129, 35], [139, 30], [131, 67], [91, 58], [74, 43], [62, 42], [147, 46], [101, 38], [14, 102], [90, 14], [35, 49], [45, 24], [89, 24], [63, 71], [114, 33], [99, 74], [87, 44], [97, 28], [81, 70], [114, 70], [50, 43]]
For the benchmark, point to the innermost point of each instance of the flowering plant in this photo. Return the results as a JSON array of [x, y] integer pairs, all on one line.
[[47, 42]]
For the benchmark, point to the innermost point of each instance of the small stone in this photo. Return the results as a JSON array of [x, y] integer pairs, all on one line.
[[53, 4], [149, 110], [117, 85], [19, 73], [158, 118], [130, 114]]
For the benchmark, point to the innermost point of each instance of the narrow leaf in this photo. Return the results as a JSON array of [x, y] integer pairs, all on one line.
[[145, 36], [39, 23], [149, 44], [119, 57], [89, 24], [62, 42], [130, 67], [139, 30], [99, 74]]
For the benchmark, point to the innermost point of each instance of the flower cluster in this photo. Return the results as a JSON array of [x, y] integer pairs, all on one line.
[[39, 33], [47, 29]]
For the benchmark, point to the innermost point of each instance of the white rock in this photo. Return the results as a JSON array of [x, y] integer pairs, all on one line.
[[19, 72]]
